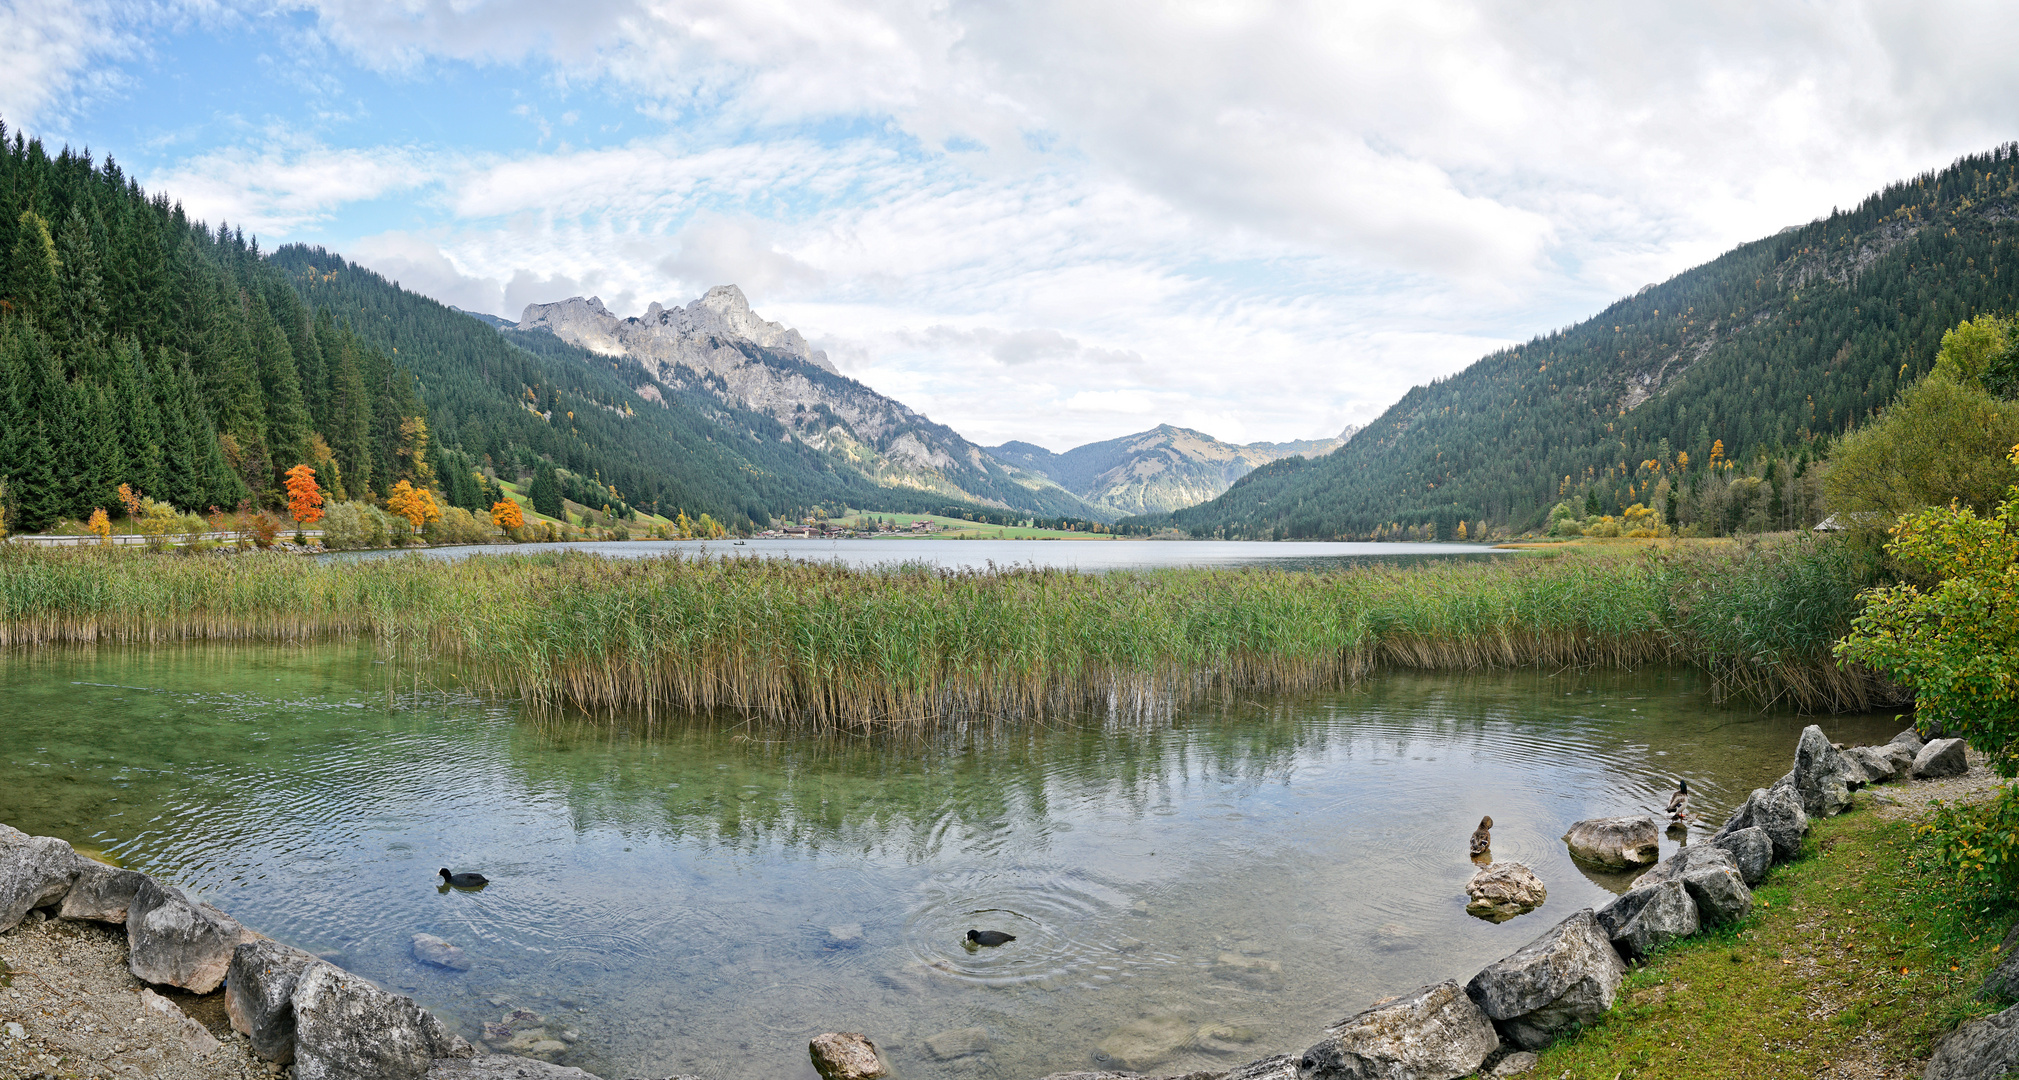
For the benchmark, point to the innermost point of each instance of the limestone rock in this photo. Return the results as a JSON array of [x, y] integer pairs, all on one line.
[[1712, 876], [958, 1043], [1615, 842], [1819, 775], [1941, 758], [101, 893], [175, 942], [2003, 981], [429, 949], [1641, 919], [1853, 770], [845, 1055], [1279, 1067], [1752, 852], [1568, 976], [1435, 1033], [1514, 1064], [1779, 811], [1910, 739], [1979, 1049], [196, 1038], [1878, 763], [1502, 890], [1144, 1042], [259, 996], [1720, 894], [34, 871], [344, 1027], [502, 1067]]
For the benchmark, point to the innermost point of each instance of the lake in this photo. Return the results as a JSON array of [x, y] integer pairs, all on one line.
[[704, 897], [1088, 555]]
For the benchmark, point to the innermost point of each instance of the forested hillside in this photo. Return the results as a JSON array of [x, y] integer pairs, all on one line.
[[516, 399], [138, 347], [142, 348], [1764, 354]]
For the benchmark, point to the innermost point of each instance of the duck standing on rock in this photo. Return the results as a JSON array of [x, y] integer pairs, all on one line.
[[1482, 837], [1679, 803]]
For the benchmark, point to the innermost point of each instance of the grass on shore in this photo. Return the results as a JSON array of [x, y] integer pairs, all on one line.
[[832, 645], [1856, 959]]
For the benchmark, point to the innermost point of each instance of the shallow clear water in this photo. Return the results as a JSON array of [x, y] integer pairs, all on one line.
[[1227, 881], [1087, 555]]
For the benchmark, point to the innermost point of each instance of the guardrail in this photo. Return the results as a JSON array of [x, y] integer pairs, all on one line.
[[128, 540]]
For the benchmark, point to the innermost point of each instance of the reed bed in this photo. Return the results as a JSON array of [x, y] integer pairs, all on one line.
[[837, 647]]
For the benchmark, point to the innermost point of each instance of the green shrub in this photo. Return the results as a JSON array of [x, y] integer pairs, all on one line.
[[352, 526], [1980, 843]]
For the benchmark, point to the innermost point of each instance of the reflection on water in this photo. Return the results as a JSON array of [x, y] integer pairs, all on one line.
[[1092, 556], [1186, 893]]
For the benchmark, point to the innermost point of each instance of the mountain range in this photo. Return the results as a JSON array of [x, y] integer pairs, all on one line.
[[717, 347], [1768, 351], [1163, 469]]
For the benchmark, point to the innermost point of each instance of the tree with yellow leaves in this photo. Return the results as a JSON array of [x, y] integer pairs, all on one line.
[[417, 505], [506, 515], [100, 526]]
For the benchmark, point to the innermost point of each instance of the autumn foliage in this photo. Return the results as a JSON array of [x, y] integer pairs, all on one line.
[[416, 505], [304, 498], [505, 514], [100, 526]]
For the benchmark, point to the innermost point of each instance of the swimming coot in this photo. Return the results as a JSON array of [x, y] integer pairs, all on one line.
[[990, 938], [464, 881]]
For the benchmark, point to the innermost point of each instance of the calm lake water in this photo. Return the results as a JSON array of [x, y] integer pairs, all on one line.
[[1087, 555], [704, 898]]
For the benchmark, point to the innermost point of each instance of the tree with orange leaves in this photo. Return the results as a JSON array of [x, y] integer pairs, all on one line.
[[417, 505], [304, 498], [100, 526], [506, 515]]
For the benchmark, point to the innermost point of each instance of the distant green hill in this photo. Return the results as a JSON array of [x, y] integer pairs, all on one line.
[[1773, 348]]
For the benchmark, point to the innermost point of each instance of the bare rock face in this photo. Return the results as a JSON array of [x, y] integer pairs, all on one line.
[[1641, 919], [101, 893], [1876, 764], [345, 1028], [1778, 810], [845, 1055], [1435, 1033], [1981, 1048], [429, 949], [1502, 890], [259, 996], [1568, 976], [503, 1067], [1941, 758], [35, 871], [1615, 842], [1819, 775], [1752, 852], [176, 942]]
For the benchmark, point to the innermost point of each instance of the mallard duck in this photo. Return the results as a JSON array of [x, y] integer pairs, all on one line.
[[1679, 803], [990, 938], [1482, 837], [464, 881]]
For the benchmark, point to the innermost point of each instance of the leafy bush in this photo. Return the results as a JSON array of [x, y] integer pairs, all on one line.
[[1955, 641], [1980, 843], [458, 526], [353, 525]]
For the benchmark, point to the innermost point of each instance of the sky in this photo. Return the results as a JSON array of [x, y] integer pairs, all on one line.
[[1050, 221]]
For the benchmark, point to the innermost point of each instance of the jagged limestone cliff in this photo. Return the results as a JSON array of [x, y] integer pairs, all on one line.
[[717, 345], [1159, 470]]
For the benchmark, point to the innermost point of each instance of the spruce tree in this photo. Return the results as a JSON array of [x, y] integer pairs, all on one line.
[[34, 270], [79, 323], [138, 419], [287, 417]]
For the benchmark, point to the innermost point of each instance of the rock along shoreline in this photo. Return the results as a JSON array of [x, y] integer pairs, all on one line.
[[290, 1010]]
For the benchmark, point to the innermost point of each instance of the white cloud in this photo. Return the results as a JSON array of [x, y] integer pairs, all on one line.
[[55, 57], [284, 184], [1272, 218]]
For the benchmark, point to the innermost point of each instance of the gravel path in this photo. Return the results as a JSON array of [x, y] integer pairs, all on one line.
[[70, 1009]]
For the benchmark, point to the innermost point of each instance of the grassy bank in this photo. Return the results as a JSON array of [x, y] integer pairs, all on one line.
[[839, 646], [1855, 961]]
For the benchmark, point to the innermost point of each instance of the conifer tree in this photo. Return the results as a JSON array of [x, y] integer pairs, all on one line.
[[287, 417], [34, 278], [79, 323]]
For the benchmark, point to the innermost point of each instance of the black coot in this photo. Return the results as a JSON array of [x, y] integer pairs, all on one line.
[[990, 938], [464, 881]]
